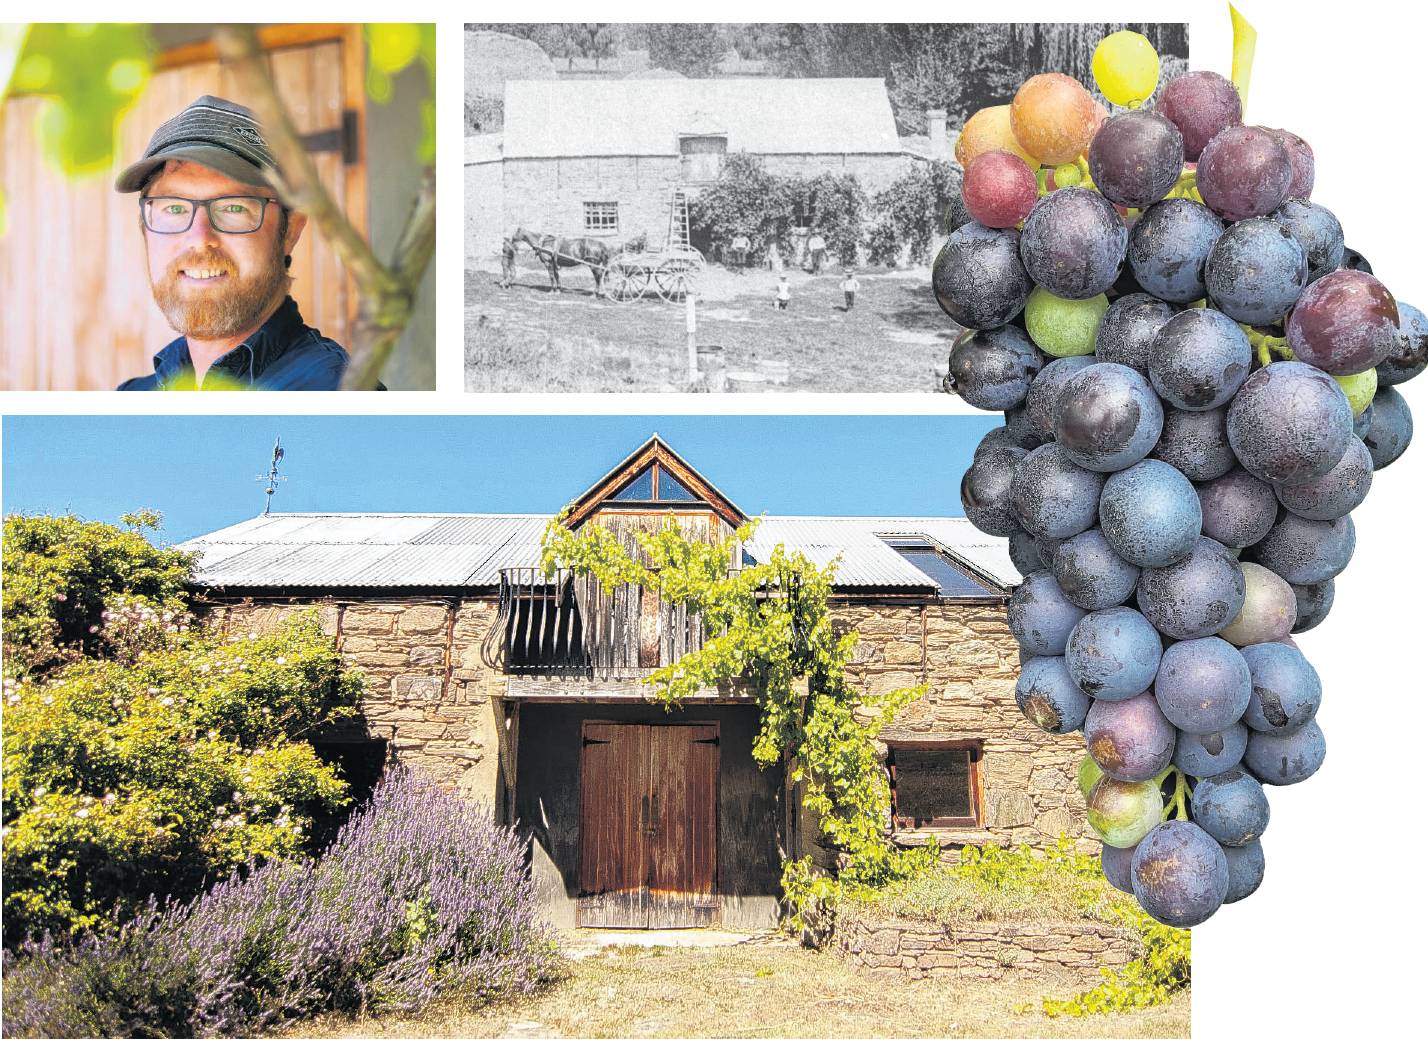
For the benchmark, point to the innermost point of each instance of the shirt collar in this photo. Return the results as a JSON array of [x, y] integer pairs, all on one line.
[[246, 361]]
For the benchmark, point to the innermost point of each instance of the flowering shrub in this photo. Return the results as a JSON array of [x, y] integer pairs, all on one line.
[[146, 757], [909, 212], [420, 896]]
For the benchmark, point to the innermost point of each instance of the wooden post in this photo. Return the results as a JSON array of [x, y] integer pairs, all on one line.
[[690, 322]]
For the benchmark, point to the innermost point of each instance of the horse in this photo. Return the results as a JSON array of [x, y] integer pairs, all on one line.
[[557, 252]]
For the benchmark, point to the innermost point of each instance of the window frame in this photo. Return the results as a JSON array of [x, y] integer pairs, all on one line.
[[595, 209], [900, 824], [921, 542]]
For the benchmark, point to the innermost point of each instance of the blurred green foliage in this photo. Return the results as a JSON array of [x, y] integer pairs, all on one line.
[[391, 47]]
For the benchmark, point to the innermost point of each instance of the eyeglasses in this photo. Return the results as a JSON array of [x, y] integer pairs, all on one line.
[[230, 214]]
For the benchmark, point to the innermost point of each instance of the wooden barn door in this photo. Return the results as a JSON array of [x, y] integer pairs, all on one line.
[[648, 831], [74, 287]]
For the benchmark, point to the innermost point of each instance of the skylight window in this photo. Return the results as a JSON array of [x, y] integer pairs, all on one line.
[[952, 583]]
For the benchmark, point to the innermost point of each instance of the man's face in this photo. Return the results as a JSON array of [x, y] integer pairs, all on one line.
[[212, 285]]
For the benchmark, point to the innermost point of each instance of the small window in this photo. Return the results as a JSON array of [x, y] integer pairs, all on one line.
[[641, 488], [935, 784], [656, 483], [602, 217], [701, 158], [670, 489], [952, 583]]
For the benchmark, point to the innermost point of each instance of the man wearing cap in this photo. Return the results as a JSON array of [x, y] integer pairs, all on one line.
[[219, 243]]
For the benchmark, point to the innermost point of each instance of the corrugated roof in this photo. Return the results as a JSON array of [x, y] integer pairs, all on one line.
[[387, 550], [563, 119]]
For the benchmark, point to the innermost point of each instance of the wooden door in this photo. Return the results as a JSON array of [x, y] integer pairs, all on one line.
[[648, 825], [74, 288]]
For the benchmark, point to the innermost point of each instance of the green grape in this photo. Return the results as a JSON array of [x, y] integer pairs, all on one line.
[[1359, 389], [1064, 327], [1088, 774]]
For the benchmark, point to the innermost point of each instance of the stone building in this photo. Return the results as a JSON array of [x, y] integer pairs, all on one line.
[[603, 158], [524, 690]]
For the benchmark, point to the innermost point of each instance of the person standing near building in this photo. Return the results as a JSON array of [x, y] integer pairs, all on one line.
[[817, 250], [782, 296], [739, 252], [850, 290]]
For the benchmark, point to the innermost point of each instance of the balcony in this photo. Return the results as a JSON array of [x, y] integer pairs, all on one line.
[[566, 625]]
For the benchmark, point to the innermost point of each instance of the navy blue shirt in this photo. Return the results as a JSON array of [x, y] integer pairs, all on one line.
[[285, 354]]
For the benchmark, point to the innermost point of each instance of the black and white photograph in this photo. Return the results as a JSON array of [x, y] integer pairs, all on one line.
[[730, 207]]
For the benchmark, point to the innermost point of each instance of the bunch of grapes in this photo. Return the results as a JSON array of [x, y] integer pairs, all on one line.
[[1199, 382]]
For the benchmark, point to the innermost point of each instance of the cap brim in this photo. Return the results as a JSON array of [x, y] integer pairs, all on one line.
[[215, 158]]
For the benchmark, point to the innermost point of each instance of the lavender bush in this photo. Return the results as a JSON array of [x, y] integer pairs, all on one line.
[[421, 895]]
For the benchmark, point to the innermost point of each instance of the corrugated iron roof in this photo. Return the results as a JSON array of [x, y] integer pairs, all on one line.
[[547, 119], [392, 550]]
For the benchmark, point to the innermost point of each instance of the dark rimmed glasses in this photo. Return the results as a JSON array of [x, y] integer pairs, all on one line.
[[230, 214]]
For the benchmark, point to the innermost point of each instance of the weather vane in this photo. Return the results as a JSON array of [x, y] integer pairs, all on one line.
[[273, 478]]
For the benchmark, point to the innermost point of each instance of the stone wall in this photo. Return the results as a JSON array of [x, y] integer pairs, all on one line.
[[966, 655], [1031, 951], [432, 697]]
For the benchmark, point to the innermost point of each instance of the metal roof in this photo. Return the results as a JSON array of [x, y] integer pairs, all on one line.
[[443, 550], [546, 119]]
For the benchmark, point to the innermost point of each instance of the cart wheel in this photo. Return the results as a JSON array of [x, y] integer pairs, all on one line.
[[674, 280], [626, 282]]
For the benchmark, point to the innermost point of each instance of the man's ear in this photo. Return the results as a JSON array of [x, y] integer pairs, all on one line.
[[296, 222]]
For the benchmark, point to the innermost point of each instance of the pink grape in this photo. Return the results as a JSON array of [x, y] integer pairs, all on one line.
[[998, 189], [1344, 323], [1244, 171], [1201, 104]]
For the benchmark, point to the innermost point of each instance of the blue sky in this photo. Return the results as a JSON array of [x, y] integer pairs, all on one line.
[[201, 472]]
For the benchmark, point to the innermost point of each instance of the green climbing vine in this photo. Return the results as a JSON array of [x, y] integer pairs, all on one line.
[[769, 625]]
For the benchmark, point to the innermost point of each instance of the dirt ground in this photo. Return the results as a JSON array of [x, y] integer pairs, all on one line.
[[530, 339], [769, 988]]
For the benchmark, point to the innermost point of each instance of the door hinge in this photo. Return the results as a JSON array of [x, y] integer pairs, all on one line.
[[341, 139]]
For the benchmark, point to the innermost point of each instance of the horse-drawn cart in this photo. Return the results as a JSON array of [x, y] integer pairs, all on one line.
[[671, 274]]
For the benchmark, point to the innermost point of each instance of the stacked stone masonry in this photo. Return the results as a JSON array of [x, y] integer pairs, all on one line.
[[438, 704], [1071, 952]]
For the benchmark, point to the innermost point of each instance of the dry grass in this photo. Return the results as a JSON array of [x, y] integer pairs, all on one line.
[[765, 990], [527, 339]]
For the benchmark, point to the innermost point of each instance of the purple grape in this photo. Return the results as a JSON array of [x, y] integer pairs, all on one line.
[[1363, 421], [1337, 493], [1304, 551], [1049, 697], [1041, 617], [1282, 760], [1020, 430], [1318, 233], [1289, 422], [1127, 328], [1199, 359], [992, 369], [997, 437], [1231, 808], [1246, 867], [1236, 509], [1195, 597], [1136, 158], [1391, 429], [1285, 689], [1209, 754], [1113, 654], [1244, 171], [1345, 323], [1107, 417], [1179, 874], [1116, 865], [1195, 442], [1041, 398], [1168, 248], [1200, 104], [1150, 514], [1410, 354], [1256, 271], [1356, 261], [986, 491], [978, 278], [1130, 739], [1025, 555], [1092, 573], [1301, 157], [1312, 604], [1073, 243], [1203, 685], [1053, 496]]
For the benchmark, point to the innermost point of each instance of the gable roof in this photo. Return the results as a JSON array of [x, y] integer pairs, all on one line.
[[444, 550], [568, 119], [654, 450]]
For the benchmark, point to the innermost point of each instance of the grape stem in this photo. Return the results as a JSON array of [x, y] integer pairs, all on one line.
[[1178, 808], [1264, 345]]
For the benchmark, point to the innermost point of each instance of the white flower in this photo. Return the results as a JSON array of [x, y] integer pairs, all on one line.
[[205, 668], [48, 700], [110, 798], [252, 636], [167, 701], [93, 628], [41, 791], [281, 661], [83, 813], [153, 690]]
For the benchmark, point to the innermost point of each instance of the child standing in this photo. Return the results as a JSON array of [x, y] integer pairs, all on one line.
[[782, 296], [850, 290]]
